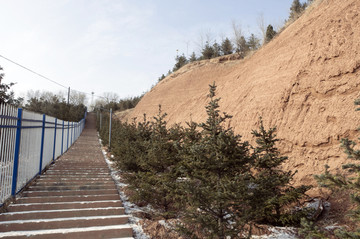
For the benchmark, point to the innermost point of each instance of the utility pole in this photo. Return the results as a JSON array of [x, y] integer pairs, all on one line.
[[68, 96], [110, 129], [92, 101]]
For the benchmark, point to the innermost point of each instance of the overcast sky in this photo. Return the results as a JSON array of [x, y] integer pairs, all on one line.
[[119, 46]]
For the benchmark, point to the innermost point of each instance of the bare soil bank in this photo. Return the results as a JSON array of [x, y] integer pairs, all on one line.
[[304, 82]]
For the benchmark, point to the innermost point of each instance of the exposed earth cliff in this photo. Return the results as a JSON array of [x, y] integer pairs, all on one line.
[[304, 82]]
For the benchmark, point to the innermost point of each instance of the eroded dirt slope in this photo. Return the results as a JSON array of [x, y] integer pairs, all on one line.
[[304, 82]]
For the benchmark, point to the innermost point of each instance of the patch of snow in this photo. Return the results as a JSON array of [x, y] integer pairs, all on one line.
[[279, 233], [51, 203], [166, 224], [332, 227], [62, 219], [72, 196], [62, 230], [58, 191], [62, 210], [130, 208]]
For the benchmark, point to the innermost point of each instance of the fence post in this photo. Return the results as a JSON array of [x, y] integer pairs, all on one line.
[[62, 138], [54, 139], [110, 129], [17, 152], [72, 128], [42, 143], [67, 143], [100, 121]]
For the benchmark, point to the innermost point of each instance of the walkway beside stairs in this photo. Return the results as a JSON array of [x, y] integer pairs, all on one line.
[[75, 198]]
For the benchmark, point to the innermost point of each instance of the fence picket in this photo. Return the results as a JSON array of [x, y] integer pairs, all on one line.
[[17, 152]]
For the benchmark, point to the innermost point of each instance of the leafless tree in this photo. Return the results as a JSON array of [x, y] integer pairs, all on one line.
[[205, 36], [77, 98], [110, 97], [262, 26], [238, 34]]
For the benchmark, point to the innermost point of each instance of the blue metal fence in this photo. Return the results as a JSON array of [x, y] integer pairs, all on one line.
[[28, 143]]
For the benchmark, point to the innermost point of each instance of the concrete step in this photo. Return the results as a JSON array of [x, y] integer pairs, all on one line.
[[73, 179], [64, 187], [68, 193], [78, 171], [48, 214], [63, 205], [118, 231], [68, 222], [75, 184], [79, 167], [72, 198], [83, 175]]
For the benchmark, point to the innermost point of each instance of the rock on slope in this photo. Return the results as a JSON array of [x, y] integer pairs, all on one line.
[[304, 82]]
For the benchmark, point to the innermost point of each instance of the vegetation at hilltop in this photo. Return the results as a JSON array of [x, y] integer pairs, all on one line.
[[239, 43], [118, 105], [46, 102], [56, 105], [204, 175]]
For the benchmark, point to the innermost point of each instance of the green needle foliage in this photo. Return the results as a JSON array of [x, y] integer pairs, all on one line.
[[310, 231], [348, 180], [273, 191], [212, 167], [205, 175], [156, 180]]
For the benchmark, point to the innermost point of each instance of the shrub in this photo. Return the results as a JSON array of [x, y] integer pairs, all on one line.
[[345, 182]]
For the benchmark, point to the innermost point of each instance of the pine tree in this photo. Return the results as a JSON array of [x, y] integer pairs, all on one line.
[[227, 47], [161, 77], [156, 182], [217, 49], [213, 166], [208, 51], [193, 57], [130, 143], [342, 181], [253, 42], [272, 190], [270, 33], [180, 62], [296, 9], [243, 47]]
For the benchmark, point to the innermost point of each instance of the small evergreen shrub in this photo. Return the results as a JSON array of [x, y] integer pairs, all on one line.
[[217, 185], [348, 180]]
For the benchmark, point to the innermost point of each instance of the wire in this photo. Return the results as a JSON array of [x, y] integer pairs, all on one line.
[[89, 93], [42, 76], [33, 72]]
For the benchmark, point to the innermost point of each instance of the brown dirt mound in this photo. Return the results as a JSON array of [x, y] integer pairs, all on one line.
[[304, 82]]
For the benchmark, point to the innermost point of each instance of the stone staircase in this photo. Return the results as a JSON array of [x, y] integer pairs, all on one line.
[[75, 198]]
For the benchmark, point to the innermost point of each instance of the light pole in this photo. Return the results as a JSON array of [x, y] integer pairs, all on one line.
[[110, 124]]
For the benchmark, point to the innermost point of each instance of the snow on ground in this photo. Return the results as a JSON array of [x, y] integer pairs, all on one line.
[[130, 208], [61, 230], [279, 233]]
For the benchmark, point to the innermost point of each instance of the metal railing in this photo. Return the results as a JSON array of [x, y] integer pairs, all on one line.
[[28, 143]]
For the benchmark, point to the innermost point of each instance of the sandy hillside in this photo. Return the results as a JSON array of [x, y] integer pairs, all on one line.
[[304, 82]]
